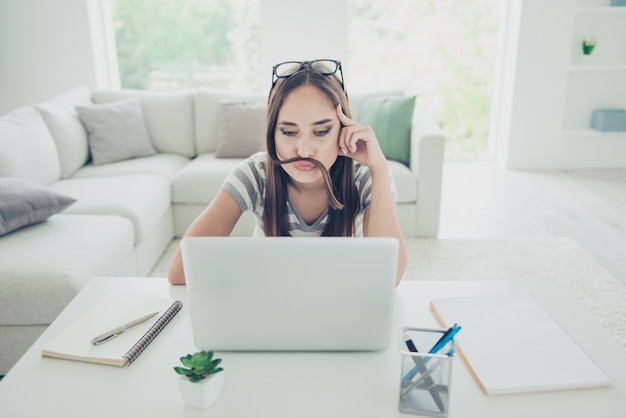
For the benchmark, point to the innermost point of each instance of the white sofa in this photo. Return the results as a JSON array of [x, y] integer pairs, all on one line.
[[126, 212]]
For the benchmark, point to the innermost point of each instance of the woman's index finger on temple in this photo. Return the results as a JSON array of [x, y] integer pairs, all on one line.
[[346, 121]]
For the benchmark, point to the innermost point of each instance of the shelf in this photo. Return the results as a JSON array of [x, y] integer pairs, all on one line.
[[597, 67], [591, 133], [596, 81], [601, 10]]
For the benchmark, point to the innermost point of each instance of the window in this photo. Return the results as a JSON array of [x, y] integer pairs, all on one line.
[[442, 51], [178, 44]]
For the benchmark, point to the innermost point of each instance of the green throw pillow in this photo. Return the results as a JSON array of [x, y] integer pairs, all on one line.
[[390, 118]]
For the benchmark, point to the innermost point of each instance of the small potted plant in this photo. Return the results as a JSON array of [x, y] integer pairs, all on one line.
[[200, 381], [588, 44]]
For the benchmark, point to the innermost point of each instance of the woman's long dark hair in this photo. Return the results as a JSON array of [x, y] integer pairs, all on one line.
[[340, 183]]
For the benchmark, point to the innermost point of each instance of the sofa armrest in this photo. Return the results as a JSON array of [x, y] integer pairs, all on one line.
[[427, 154]]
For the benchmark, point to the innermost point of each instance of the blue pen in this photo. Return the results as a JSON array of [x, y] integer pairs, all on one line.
[[445, 338]]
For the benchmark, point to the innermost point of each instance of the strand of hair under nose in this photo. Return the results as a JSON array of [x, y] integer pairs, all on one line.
[[334, 203]]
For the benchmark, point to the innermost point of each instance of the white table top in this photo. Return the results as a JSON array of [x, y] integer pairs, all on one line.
[[297, 384]]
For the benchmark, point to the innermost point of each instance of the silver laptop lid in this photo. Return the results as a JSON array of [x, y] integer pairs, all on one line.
[[284, 293]]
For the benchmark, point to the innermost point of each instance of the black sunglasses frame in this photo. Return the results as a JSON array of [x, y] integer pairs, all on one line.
[[309, 64]]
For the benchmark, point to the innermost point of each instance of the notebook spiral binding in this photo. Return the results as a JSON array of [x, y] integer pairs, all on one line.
[[154, 330]]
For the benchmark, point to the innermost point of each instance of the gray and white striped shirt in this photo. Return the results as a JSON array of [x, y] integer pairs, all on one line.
[[246, 184]]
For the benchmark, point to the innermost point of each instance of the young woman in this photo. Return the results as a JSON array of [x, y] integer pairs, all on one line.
[[323, 174]]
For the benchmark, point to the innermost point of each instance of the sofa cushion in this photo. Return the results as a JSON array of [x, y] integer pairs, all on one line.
[[242, 129], [142, 198], [116, 131], [406, 182], [201, 179], [68, 132], [390, 117], [24, 203], [68, 250], [208, 115], [169, 118], [166, 165], [27, 149]]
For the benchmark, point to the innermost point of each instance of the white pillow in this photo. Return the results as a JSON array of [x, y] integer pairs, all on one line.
[[27, 149], [169, 117], [117, 131], [242, 130], [68, 132]]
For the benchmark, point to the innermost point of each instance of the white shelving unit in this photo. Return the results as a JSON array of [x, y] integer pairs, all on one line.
[[601, 9], [597, 67], [601, 81]]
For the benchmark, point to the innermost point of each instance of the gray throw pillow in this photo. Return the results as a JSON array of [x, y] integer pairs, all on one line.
[[116, 131], [24, 203], [242, 130]]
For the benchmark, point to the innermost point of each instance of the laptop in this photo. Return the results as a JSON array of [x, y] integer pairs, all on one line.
[[290, 294]]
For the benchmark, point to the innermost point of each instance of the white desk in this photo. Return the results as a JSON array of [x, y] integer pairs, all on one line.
[[296, 384]]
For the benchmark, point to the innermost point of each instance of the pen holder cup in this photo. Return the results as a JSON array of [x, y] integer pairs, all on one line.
[[425, 378]]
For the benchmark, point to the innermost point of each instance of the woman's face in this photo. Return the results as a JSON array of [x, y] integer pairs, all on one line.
[[307, 127]]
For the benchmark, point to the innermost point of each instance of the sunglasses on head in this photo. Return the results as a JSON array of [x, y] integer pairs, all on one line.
[[325, 67]]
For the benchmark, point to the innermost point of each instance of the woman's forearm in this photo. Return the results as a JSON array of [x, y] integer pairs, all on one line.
[[382, 219], [176, 274]]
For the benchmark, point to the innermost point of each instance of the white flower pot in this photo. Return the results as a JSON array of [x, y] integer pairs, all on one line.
[[201, 394]]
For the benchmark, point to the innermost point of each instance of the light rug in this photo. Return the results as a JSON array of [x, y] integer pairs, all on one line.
[[559, 260]]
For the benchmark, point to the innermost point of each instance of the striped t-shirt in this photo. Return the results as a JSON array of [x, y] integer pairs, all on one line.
[[246, 184]]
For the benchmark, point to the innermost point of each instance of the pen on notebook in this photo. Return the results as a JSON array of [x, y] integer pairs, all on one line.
[[107, 336]]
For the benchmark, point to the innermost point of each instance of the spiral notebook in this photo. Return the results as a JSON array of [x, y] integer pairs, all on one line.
[[511, 344], [115, 309]]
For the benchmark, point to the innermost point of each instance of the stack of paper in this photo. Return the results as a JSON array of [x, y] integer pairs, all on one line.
[[512, 344]]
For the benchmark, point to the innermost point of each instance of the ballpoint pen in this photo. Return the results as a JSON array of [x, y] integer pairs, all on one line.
[[107, 336], [447, 336]]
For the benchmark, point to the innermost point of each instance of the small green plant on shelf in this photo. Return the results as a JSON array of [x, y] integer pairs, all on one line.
[[588, 45], [199, 365]]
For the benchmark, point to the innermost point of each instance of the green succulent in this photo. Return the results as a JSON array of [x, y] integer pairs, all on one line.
[[588, 45], [200, 365]]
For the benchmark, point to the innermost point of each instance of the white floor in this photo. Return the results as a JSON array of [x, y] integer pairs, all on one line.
[[482, 200]]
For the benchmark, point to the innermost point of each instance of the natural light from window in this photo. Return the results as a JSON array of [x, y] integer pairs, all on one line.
[[179, 44], [442, 51]]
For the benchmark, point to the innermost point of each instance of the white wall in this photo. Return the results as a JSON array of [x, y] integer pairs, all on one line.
[[45, 49]]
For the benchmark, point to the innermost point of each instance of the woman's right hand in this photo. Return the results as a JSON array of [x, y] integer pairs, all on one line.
[[359, 142]]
